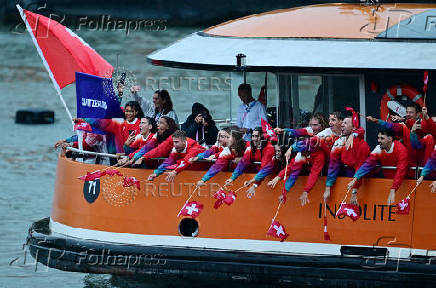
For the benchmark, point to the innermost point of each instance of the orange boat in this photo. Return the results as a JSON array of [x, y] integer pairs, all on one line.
[[322, 58]]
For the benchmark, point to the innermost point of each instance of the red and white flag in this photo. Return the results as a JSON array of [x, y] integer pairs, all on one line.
[[277, 230], [349, 210], [83, 126], [92, 176], [326, 234], [192, 209], [354, 117], [424, 88], [131, 181], [403, 207], [219, 195], [230, 198], [62, 51], [268, 131], [113, 172]]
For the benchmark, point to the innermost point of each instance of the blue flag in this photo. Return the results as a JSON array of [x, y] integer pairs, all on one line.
[[96, 97]]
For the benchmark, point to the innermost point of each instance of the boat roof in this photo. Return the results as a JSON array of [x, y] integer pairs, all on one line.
[[347, 36]]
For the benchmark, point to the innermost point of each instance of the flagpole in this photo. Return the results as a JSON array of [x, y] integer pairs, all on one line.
[[35, 42]]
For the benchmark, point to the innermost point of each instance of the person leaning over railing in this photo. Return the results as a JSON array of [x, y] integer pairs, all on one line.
[[402, 131], [262, 152], [165, 128], [310, 146], [91, 142], [120, 129], [178, 149], [387, 153], [348, 154], [212, 152], [428, 168], [234, 148], [147, 128]]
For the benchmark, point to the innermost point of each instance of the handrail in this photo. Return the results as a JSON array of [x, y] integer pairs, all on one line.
[[94, 153], [205, 160]]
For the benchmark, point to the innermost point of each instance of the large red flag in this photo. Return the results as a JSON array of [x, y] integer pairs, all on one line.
[[92, 176], [63, 52]]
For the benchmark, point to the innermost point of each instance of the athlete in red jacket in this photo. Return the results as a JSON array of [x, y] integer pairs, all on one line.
[[179, 149], [259, 151], [306, 156], [387, 153], [350, 151]]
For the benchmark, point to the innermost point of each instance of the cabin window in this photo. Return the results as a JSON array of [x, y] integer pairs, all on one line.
[[302, 95]]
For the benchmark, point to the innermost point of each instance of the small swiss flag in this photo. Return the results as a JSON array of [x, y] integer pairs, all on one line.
[[277, 230], [113, 172], [424, 89], [403, 207], [349, 210], [326, 234], [83, 126], [92, 176], [192, 209], [131, 181], [268, 131], [230, 198], [219, 195]]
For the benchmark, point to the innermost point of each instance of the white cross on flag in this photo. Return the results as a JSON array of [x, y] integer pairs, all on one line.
[[83, 126], [403, 207], [277, 230], [268, 130], [192, 209], [349, 210]]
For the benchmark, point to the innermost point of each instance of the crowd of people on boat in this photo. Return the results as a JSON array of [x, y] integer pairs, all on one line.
[[331, 143]]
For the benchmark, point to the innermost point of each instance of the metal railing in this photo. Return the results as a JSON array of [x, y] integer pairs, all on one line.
[[417, 168]]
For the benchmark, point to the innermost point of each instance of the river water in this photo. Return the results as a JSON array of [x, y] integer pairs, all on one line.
[[27, 159]]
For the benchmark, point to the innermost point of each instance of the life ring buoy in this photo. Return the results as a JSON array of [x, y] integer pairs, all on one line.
[[399, 90]]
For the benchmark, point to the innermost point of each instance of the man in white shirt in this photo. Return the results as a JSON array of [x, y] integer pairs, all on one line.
[[249, 112]]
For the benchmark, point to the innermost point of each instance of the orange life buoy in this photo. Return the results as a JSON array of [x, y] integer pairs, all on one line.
[[397, 91]]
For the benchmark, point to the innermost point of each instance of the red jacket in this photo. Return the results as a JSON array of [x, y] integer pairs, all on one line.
[[352, 157], [178, 161], [396, 156], [428, 126], [316, 162]]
